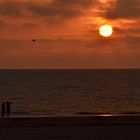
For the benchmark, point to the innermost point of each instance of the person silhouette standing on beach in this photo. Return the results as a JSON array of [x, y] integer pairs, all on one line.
[[8, 105], [3, 109]]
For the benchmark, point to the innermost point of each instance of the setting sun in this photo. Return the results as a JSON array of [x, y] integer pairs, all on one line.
[[106, 30]]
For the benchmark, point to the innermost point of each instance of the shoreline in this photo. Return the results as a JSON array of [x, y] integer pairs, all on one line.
[[80, 120], [97, 127]]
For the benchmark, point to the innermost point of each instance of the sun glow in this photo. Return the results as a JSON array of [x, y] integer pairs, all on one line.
[[106, 30]]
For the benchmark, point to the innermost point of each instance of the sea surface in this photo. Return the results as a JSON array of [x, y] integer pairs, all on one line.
[[70, 92]]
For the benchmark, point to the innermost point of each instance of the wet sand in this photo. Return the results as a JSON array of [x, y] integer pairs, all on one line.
[[102, 127]]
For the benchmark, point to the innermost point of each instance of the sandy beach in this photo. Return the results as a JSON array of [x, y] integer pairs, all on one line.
[[104, 127]]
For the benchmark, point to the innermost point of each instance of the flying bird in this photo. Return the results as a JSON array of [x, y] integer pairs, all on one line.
[[33, 40]]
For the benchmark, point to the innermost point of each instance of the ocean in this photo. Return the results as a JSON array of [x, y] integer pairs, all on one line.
[[70, 92]]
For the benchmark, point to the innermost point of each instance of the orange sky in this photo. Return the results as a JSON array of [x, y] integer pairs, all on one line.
[[67, 34]]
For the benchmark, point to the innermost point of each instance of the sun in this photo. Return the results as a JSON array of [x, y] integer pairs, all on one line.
[[106, 30]]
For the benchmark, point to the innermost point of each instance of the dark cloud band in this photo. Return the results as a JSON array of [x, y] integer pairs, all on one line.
[[124, 9], [61, 8]]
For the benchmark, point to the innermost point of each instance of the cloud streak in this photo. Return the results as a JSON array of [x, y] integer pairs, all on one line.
[[61, 8], [124, 9]]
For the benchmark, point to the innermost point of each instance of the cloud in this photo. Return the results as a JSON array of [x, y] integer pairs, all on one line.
[[55, 12], [124, 9], [11, 9], [61, 8], [5, 24], [29, 25]]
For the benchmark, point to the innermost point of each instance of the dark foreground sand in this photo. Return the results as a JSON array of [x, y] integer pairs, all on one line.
[[71, 128]]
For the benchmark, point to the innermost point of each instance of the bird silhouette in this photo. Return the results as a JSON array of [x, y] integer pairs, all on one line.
[[33, 40]]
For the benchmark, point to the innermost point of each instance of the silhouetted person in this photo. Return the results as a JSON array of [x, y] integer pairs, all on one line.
[[8, 105], [3, 109]]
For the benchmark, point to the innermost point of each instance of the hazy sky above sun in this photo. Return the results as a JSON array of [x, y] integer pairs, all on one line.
[[67, 34]]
